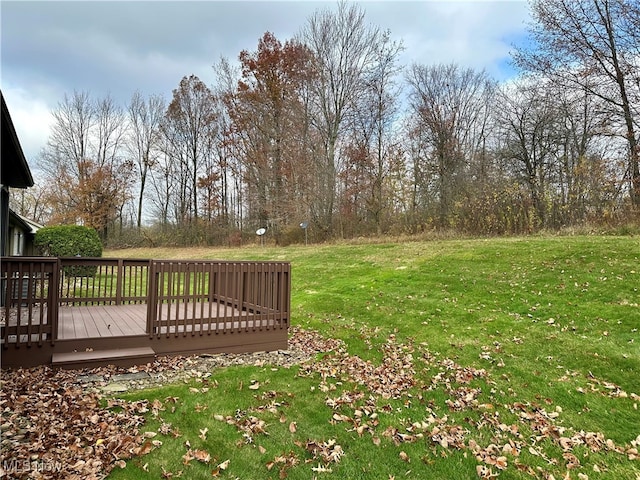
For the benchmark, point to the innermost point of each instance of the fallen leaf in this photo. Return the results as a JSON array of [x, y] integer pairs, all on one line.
[[321, 469], [144, 449], [201, 455]]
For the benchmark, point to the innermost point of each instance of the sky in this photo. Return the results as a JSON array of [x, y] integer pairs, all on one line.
[[52, 48]]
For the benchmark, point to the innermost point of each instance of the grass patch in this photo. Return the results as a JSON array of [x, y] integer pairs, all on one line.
[[461, 359]]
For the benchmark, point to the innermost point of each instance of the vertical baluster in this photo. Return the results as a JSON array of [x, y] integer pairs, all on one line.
[[29, 300], [217, 293]]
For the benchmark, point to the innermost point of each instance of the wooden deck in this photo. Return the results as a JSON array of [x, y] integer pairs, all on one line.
[[95, 335], [126, 311]]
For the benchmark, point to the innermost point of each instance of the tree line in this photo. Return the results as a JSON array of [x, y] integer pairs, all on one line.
[[328, 130]]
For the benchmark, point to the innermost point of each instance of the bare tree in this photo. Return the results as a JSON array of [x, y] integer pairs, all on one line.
[[584, 179], [145, 118], [164, 185], [70, 139], [230, 163], [553, 143], [529, 127], [111, 166], [344, 49], [87, 177], [593, 45], [189, 126], [451, 105], [419, 194], [31, 202], [371, 130], [109, 131]]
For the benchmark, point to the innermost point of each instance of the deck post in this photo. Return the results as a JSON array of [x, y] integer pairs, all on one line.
[[53, 308], [119, 281], [152, 297]]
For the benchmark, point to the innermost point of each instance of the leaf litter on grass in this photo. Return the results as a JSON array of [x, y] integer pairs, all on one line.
[[52, 425], [480, 413], [472, 417], [533, 428], [90, 438]]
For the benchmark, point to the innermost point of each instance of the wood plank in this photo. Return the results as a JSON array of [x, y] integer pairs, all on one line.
[[125, 320], [69, 327], [119, 356], [85, 315], [97, 317], [97, 321], [79, 327]]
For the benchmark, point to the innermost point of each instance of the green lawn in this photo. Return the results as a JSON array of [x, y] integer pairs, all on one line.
[[462, 359]]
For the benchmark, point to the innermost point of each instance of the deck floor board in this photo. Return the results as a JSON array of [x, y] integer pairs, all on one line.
[[94, 321], [97, 321]]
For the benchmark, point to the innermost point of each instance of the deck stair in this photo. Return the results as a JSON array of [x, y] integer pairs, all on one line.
[[121, 357]]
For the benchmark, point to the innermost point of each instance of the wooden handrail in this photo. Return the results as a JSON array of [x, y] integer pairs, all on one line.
[[29, 301], [183, 297], [205, 297], [99, 281]]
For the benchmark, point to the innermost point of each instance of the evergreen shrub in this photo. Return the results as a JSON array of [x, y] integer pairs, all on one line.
[[70, 241]]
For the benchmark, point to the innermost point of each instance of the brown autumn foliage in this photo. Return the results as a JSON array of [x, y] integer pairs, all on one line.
[[269, 130]]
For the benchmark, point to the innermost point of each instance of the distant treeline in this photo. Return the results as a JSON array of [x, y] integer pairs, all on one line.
[[328, 130]]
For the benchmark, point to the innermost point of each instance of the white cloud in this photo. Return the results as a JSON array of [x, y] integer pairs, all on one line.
[[473, 34], [52, 48], [31, 118]]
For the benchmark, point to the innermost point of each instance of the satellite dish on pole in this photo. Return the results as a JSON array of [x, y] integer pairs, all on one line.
[[304, 226], [260, 232]]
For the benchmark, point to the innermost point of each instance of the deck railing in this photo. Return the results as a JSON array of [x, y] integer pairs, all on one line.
[[183, 297], [29, 300], [103, 281], [198, 297]]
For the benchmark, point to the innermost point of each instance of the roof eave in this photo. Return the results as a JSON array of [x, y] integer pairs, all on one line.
[[21, 177]]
